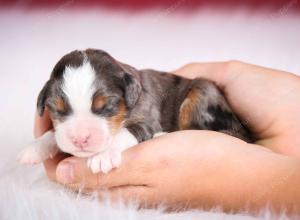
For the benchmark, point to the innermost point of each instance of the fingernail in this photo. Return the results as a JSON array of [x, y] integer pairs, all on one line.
[[65, 173]]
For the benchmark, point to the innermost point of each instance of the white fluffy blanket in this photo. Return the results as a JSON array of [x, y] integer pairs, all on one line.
[[31, 43]]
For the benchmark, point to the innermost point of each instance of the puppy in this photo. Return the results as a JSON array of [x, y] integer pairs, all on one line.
[[100, 107]]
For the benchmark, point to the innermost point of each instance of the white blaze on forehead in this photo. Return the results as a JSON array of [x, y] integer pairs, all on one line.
[[78, 85]]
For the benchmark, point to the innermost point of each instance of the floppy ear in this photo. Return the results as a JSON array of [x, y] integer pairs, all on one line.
[[133, 90], [41, 102]]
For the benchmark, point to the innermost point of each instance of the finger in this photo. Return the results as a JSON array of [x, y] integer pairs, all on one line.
[[143, 196], [74, 172], [137, 168], [258, 107], [50, 165], [209, 70], [42, 123], [140, 165]]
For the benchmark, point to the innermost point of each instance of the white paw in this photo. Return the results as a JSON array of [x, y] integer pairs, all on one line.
[[38, 151], [30, 155], [105, 161]]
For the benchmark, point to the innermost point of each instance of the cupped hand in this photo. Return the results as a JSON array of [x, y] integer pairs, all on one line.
[[266, 100], [205, 168]]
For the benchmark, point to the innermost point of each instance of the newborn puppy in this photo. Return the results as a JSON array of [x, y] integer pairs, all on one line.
[[100, 107]]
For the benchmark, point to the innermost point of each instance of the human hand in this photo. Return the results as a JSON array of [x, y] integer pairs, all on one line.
[[266, 100], [195, 169]]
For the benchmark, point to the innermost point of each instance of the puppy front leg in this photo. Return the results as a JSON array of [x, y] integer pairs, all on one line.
[[124, 139], [142, 131], [41, 149], [111, 158]]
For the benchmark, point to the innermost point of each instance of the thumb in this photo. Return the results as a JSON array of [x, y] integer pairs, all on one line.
[[74, 172], [135, 169]]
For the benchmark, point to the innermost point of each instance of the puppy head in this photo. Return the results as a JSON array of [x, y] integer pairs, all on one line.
[[88, 97]]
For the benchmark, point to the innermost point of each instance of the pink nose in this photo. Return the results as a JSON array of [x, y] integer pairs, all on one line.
[[81, 141]]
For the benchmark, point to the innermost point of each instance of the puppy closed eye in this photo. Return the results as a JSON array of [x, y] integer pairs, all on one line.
[[58, 106], [105, 106], [98, 102]]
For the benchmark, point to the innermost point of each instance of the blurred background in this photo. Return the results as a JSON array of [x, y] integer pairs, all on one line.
[[160, 34]]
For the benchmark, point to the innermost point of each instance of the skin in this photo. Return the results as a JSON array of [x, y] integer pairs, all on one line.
[[204, 169]]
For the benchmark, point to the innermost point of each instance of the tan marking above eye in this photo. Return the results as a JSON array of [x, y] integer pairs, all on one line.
[[60, 104], [99, 102]]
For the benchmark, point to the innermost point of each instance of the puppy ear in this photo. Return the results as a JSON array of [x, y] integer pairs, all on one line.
[[41, 102], [133, 90]]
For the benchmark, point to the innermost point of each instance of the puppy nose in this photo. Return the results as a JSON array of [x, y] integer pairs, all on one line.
[[81, 141]]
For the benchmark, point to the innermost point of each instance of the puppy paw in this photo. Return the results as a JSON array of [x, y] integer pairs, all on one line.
[[35, 153], [105, 161], [30, 155]]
